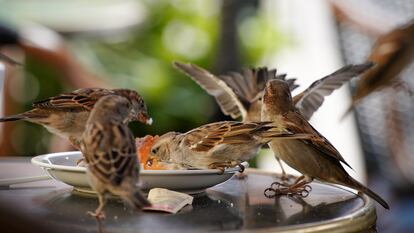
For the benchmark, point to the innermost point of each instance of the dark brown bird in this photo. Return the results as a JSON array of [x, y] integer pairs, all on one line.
[[66, 114], [392, 53], [240, 94], [110, 153], [315, 158]]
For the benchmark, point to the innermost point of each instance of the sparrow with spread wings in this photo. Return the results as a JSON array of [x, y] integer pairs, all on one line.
[[240, 94]]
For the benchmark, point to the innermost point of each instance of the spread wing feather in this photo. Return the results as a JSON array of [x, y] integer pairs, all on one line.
[[312, 98], [79, 100]]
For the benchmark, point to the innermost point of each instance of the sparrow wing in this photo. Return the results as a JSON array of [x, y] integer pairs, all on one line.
[[207, 137], [299, 125], [224, 95], [110, 152], [312, 98], [79, 100], [250, 83]]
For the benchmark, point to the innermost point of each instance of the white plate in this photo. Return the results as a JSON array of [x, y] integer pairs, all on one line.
[[62, 167]]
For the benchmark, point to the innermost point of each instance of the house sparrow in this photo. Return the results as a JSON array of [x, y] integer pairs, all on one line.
[[392, 53], [216, 145], [314, 157], [110, 154], [66, 114], [239, 94]]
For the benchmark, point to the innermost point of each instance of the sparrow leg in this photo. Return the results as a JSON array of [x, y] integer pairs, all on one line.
[[81, 162], [99, 214], [299, 179], [278, 185], [74, 142], [284, 176], [220, 165], [299, 187]]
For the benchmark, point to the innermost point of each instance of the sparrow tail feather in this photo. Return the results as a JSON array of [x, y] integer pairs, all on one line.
[[284, 135], [360, 187], [12, 118]]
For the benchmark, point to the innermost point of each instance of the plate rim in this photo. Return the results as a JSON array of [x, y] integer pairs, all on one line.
[[37, 160]]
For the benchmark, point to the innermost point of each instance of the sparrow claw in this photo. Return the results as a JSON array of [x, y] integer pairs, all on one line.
[[221, 170], [242, 168], [284, 177], [241, 176], [270, 193], [303, 193], [81, 162], [98, 215], [278, 185], [277, 189]]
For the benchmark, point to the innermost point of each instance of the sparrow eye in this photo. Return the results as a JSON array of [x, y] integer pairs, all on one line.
[[154, 151]]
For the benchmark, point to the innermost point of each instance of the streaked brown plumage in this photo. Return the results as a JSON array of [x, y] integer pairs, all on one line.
[[314, 157], [216, 145], [237, 94], [308, 101], [240, 94], [392, 53], [66, 114], [110, 153]]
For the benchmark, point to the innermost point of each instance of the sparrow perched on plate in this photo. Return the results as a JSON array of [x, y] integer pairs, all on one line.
[[392, 53], [216, 145], [239, 94], [110, 154], [314, 157], [66, 114]]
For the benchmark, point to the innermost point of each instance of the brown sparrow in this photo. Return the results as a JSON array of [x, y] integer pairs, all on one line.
[[66, 114], [239, 94], [216, 145], [314, 157], [392, 53], [110, 153]]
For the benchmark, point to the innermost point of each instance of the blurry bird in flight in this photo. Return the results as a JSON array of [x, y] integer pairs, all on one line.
[[391, 54]]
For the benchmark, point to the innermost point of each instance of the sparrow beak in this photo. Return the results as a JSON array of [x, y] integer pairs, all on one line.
[[144, 118]]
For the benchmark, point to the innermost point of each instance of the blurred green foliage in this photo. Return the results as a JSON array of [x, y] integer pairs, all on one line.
[[141, 59]]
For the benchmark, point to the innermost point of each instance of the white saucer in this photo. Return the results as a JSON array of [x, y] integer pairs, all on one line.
[[62, 167]]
